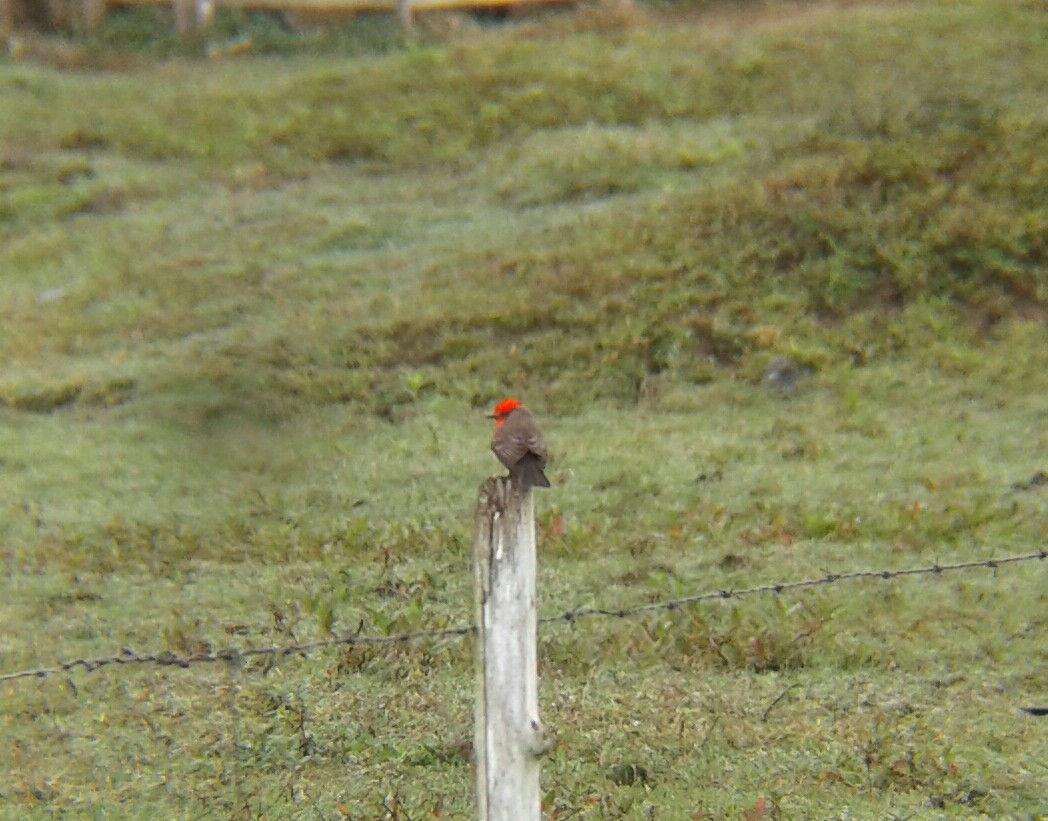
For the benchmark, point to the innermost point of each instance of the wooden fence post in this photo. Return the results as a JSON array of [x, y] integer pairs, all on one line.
[[7, 20], [508, 740], [405, 15], [185, 15], [94, 13]]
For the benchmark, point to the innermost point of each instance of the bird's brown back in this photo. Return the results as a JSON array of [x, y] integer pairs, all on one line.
[[518, 436]]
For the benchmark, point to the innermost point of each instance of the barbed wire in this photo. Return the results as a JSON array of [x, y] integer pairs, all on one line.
[[782, 587], [234, 656]]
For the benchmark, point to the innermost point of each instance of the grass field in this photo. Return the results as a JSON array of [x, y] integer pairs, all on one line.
[[253, 311]]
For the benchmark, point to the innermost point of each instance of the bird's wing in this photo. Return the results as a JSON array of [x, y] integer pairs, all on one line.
[[533, 439], [518, 437], [509, 447]]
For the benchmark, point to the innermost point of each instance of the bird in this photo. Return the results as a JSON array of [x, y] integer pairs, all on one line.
[[518, 443]]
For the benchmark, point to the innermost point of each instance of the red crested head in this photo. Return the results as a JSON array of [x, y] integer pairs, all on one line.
[[504, 408]]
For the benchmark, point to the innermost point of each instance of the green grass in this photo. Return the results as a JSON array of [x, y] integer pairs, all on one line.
[[252, 312]]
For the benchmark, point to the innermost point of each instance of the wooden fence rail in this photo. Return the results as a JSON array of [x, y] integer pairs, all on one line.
[[192, 14]]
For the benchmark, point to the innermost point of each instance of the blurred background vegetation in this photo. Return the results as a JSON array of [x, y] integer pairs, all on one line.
[[259, 284]]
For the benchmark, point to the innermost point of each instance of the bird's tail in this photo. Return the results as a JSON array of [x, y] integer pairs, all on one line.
[[528, 471]]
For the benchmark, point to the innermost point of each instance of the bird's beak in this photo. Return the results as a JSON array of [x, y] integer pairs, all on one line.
[[490, 416]]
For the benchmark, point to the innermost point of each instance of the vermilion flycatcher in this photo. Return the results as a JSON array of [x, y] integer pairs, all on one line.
[[518, 443]]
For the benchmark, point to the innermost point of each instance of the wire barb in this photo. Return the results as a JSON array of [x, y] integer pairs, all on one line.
[[236, 656]]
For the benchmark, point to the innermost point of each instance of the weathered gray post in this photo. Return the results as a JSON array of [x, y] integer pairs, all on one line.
[[406, 16], [508, 738]]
